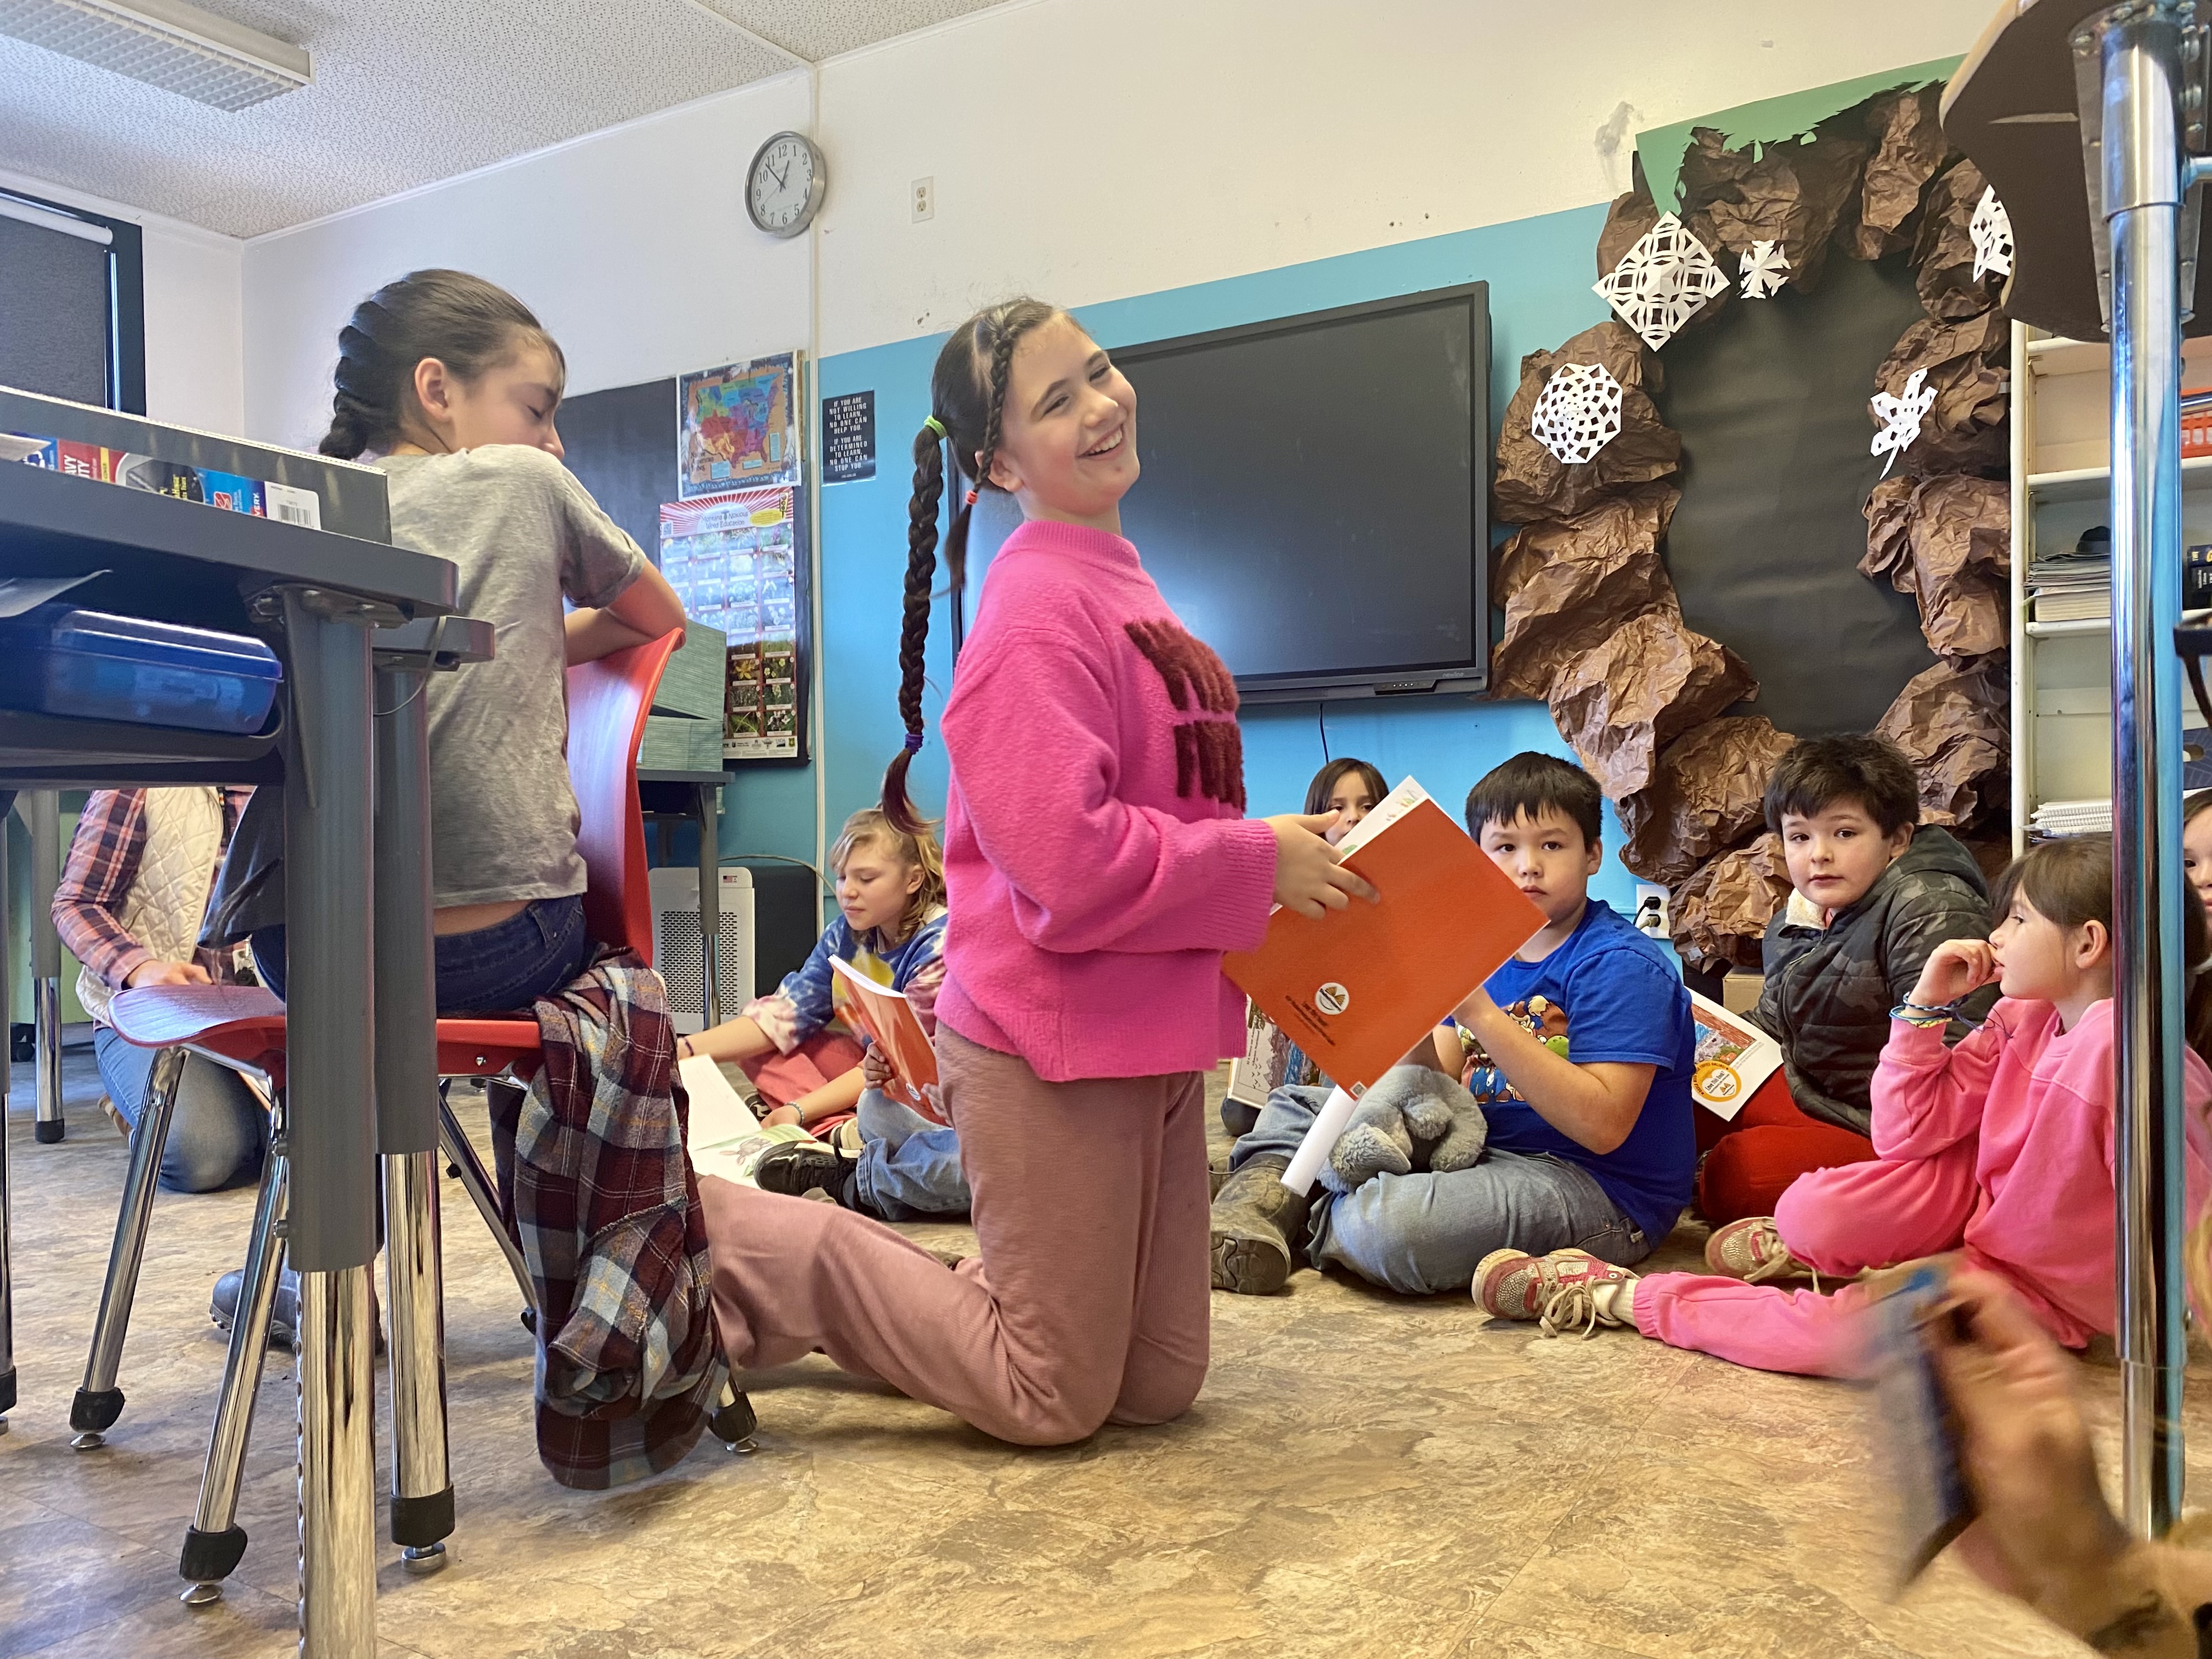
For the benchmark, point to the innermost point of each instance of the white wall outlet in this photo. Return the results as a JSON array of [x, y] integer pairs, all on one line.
[[1652, 914], [924, 199]]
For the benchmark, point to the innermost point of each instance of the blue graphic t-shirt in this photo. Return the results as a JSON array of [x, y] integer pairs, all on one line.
[[1608, 994]]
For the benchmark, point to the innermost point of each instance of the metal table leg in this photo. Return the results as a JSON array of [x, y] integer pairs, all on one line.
[[331, 1121], [710, 902], [43, 808], [7, 1272]]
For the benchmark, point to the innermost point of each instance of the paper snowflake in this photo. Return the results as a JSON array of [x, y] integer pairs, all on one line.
[[1660, 282], [1992, 229], [1577, 413], [1900, 416], [1764, 270]]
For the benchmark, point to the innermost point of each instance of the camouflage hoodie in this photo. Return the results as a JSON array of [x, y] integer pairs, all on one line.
[[1829, 990]]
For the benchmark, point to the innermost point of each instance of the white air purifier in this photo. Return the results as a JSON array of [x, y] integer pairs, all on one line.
[[675, 942]]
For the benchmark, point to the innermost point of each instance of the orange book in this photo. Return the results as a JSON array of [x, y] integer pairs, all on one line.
[[1359, 988], [892, 1025]]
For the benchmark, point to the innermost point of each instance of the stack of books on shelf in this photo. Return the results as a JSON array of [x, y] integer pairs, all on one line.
[[2074, 585], [2054, 818]]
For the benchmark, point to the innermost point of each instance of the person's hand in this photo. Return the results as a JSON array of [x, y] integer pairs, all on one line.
[[154, 971], [875, 1070], [1959, 968], [780, 1114], [1307, 877], [2045, 1534]]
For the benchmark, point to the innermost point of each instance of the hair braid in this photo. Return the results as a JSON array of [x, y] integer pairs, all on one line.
[[913, 630]]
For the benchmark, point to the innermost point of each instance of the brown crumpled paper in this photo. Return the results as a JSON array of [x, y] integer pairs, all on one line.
[[1948, 541], [1908, 148], [1792, 194], [1963, 430], [1627, 222], [1707, 793], [1533, 484], [1650, 679], [1721, 913], [1943, 253], [1954, 722], [1566, 586]]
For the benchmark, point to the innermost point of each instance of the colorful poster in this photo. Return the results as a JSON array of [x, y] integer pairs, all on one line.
[[736, 561], [737, 426]]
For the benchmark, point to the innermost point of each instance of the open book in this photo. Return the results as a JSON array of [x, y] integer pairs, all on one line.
[[1357, 989], [892, 1025], [1733, 1058]]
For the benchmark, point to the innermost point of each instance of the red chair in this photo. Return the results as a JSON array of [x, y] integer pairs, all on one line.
[[244, 1027]]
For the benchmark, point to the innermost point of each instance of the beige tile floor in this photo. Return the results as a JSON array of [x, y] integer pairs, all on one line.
[[1363, 1476]]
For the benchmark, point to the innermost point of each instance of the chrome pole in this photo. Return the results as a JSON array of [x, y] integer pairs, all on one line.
[[2139, 48], [45, 819], [338, 1465], [7, 1015]]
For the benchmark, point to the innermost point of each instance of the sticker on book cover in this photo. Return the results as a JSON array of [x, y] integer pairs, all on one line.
[[1717, 1081], [1332, 998]]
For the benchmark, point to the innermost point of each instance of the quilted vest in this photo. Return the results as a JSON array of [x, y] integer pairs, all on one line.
[[169, 894]]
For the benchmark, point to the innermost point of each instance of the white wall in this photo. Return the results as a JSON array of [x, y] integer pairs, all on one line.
[[632, 247], [195, 363]]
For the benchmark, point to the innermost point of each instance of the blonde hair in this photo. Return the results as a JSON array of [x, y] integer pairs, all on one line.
[[916, 848]]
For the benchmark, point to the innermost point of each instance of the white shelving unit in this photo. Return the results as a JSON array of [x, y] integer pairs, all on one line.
[[2062, 671]]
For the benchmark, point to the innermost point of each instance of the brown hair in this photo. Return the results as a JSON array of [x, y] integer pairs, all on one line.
[[2196, 807], [1817, 773], [1325, 781], [968, 399], [2070, 882], [467, 323], [915, 847]]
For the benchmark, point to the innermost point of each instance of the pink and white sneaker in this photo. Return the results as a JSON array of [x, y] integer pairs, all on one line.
[[1566, 1291], [1751, 1249]]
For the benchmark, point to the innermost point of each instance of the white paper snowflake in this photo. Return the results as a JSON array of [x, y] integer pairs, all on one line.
[[1901, 416], [1577, 413], [1660, 282], [1764, 270], [1992, 229]]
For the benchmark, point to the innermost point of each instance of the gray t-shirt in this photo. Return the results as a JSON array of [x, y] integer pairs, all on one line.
[[523, 533]]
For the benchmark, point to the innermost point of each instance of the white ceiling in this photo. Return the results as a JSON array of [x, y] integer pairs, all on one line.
[[407, 92]]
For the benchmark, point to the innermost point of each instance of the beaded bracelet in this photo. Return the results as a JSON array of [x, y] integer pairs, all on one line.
[[1920, 1014]]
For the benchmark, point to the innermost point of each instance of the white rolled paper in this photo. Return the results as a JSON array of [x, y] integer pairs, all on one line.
[[1329, 1123]]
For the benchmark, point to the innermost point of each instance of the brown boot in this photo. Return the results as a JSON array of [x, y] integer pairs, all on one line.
[[1259, 1228]]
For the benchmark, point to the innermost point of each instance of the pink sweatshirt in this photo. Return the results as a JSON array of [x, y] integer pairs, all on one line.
[[2041, 1102], [1096, 850]]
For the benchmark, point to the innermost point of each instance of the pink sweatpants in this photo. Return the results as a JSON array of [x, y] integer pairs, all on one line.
[[1088, 1304], [822, 1058], [1838, 1221]]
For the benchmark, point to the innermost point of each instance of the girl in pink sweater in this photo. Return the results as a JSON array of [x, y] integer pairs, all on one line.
[[1098, 864], [2000, 1150]]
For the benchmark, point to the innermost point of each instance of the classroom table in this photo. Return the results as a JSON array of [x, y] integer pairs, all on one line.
[[180, 561]]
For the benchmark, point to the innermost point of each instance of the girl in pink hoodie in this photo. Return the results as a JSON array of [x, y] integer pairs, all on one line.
[[1098, 864], [2000, 1148]]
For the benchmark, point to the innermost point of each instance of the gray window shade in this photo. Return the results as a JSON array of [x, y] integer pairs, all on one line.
[[53, 312]]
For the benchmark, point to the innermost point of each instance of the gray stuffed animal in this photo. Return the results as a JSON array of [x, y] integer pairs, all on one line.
[[1415, 1117]]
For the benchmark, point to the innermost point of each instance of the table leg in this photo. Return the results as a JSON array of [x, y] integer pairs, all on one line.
[[330, 1123], [710, 903], [44, 809]]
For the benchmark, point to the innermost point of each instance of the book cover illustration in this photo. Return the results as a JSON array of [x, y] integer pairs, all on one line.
[[891, 1024], [1733, 1058]]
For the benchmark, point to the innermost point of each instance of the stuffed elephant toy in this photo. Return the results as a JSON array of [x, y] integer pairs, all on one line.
[[1413, 1118]]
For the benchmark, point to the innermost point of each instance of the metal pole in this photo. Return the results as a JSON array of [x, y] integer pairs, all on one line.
[[710, 797], [330, 990], [2140, 51], [45, 819], [6, 1061]]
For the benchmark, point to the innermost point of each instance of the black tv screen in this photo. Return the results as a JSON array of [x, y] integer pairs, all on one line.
[[1314, 501]]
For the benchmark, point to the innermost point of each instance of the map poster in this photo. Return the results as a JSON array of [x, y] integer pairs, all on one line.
[[737, 426], [737, 560]]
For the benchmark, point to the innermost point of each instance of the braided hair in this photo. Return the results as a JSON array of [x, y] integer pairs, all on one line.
[[467, 323], [968, 400]]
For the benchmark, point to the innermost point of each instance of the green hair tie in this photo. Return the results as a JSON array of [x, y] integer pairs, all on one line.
[[936, 426]]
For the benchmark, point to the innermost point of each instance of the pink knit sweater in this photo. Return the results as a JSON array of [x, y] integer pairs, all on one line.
[[1096, 849]]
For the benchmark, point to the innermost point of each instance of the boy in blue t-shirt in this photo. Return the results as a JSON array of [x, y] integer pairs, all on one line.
[[1582, 1051]]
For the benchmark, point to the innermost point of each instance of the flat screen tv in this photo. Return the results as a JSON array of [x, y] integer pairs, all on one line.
[[1315, 500]]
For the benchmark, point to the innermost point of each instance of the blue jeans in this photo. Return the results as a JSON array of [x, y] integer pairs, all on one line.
[[498, 969], [909, 1168], [1422, 1234], [217, 1129]]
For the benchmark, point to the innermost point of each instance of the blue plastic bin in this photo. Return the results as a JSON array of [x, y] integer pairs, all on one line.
[[57, 660]]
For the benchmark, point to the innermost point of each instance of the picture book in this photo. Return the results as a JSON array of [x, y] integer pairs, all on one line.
[[1356, 989], [1271, 1061], [1733, 1058], [890, 1022]]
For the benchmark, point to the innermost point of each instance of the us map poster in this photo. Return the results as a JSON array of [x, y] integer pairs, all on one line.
[[738, 559], [737, 426]]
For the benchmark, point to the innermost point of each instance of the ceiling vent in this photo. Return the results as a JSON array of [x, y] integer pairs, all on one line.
[[166, 43]]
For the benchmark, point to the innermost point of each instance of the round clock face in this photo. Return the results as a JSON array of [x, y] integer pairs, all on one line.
[[784, 185]]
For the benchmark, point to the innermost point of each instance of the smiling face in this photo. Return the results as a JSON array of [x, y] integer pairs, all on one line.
[[1549, 861], [512, 402], [1836, 854], [874, 887], [1067, 435]]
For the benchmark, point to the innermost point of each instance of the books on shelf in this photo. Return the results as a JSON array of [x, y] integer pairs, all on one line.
[[889, 1020], [2073, 585], [2054, 819], [2074, 607]]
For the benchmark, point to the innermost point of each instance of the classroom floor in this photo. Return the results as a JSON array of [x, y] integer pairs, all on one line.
[[1363, 1476]]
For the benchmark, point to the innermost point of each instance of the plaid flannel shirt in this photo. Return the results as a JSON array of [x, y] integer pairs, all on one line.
[[103, 861], [598, 1193]]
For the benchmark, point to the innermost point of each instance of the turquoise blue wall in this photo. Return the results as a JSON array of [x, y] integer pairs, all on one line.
[[1539, 272]]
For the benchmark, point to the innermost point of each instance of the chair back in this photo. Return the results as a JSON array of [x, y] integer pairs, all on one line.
[[608, 701]]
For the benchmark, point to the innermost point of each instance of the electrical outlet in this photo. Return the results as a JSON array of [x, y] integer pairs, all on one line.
[[1652, 916], [925, 199]]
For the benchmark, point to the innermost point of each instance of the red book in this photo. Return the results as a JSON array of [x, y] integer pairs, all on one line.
[[892, 1025]]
